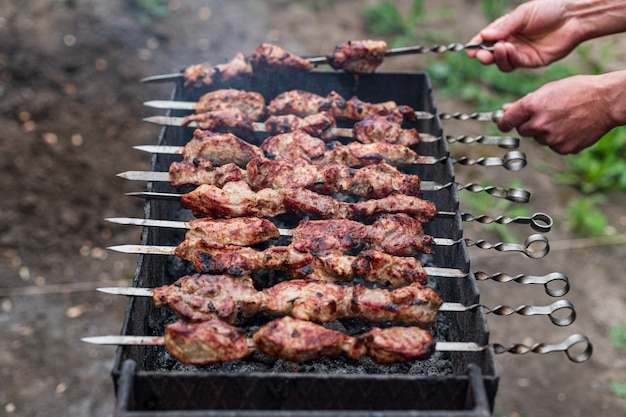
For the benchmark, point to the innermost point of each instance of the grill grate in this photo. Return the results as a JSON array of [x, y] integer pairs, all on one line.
[[148, 381]]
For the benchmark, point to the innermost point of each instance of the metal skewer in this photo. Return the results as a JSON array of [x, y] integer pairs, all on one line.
[[536, 246], [568, 345], [322, 59], [500, 310]]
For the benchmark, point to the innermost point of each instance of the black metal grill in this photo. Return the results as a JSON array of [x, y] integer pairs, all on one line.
[[148, 382]]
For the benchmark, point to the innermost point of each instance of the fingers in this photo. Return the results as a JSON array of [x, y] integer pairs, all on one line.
[[514, 115]]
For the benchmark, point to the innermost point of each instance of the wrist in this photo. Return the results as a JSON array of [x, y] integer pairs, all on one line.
[[613, 90], [597, 17]]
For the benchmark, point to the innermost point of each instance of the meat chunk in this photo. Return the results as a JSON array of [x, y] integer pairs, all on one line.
[[359, 56]]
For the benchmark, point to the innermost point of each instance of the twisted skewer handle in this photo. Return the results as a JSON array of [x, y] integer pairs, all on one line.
[[451, 47], [513, 161], [517, 195], [547, 281], [535, 246], [540, 222], [490, 116], [526, 310], [501, 141], [543, 348]]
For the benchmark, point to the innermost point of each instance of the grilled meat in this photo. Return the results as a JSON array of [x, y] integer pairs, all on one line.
[[198, 75], [395, 234], [251, 103], [237, 199], [319, 125], [333, 266], [211, 341], [231, 120], [384, 128], [371, 181], [293, 340], [201, 297], [359, 57], [220, 148], [272, 59], [303, 103], [224, 148]]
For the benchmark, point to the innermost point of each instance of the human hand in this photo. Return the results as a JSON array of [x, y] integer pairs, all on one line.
[[534, 34], [568, 115]]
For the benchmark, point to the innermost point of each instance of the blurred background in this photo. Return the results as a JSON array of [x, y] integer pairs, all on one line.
[[71, 110]]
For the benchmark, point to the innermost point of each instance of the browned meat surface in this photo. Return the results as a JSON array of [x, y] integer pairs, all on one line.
[[207, 342], [230, 120], [358, 57], [202, 171], [239, 231], [251, 103], [320, 125], [294, 145], [395, 234], [298, 102], [398, 344], [237, 199], [300, 341], [380, 128], [220, 148], [198, 75], [203, 297], [371, 181], [333, 266], [272, 59], [293, 340]]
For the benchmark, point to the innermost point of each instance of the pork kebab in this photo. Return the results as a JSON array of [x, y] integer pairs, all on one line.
[[286, 338], [202, 297], [355, 56]]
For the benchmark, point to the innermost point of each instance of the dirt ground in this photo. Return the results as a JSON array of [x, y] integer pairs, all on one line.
[[70, 111]]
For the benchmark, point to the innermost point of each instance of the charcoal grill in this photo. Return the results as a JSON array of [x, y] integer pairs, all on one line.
[[450, 383]]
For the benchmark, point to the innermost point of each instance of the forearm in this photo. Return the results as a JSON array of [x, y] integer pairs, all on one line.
[[598, 17]]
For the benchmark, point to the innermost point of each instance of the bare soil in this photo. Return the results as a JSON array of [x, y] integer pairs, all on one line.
[[70, 111]]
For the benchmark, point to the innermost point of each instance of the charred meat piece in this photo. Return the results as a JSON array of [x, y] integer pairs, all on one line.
[[198, 75], [202, 171], [382, 128], [220, 148], [272, 59], [301, 341], [299, 102], [398, 344], [251, 103], [208, 342], [319, 125], [230, 120], [201, 297], [358, 57], [239, 231], [204, 297]]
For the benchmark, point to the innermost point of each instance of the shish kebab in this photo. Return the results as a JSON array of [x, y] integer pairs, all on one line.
[[393, 234], [378, 138], [297, 103], [357, 57], [304, 103], [300, 340], [201, 297]]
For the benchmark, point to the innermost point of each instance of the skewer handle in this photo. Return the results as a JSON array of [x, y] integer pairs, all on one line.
[[539, 222], [523, 310], [535, 246], [547, 281]]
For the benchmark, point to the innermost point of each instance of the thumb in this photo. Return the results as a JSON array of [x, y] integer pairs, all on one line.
[[504, 26]]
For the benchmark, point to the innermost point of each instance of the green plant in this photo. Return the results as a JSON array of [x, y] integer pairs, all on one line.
[[618, 336], [585, 218], [150, 8]]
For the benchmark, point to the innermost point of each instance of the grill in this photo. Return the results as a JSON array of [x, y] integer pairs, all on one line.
[[148, 382]]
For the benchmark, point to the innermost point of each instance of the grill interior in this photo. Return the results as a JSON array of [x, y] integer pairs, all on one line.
[[148, 381]]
